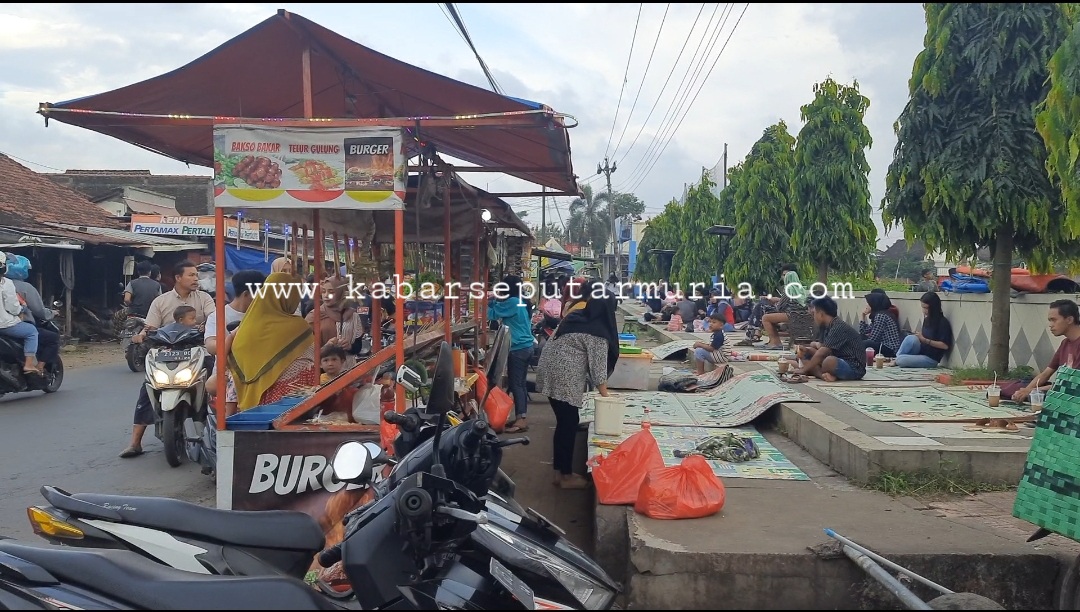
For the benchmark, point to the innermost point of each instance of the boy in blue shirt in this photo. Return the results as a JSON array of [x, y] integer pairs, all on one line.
[[712, 352], [511, 311]]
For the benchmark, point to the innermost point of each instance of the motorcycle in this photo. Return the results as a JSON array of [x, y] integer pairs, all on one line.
[[134, 352], [12, 378], [543, 329], [176, 384], [427, 542]]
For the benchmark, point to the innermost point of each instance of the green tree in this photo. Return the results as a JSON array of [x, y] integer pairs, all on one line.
[[697, 256], [1058, 121], [589, 221], [543, 234], [969, 168], [833, 228], [662, 232], [763, 212]]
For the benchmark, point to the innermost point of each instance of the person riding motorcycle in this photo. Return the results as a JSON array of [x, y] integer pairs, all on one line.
[[18, 271], [185, 292], [141, 291]]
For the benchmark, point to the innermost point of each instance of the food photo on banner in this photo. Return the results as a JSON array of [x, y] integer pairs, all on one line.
[[284, 167]]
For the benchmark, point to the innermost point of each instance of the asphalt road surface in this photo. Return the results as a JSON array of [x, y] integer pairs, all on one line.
[[72, 438]]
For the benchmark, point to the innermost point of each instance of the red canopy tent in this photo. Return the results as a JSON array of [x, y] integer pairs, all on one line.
[[252, 75]]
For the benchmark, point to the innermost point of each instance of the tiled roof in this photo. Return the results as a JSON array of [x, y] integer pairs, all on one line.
[[29, 199]]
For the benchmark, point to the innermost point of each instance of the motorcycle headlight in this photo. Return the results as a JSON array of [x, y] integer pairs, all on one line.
[[182, 375], [161, 377], [524, 554]]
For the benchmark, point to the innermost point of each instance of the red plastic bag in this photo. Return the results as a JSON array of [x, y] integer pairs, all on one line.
[[499, 404], [687, 490], [618, 476]]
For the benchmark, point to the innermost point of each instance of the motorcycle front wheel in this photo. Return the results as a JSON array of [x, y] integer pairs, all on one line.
[[54, 376], [172, 435], [131, 353]]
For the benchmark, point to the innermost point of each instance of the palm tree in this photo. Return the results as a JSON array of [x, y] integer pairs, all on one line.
[[589, 222]]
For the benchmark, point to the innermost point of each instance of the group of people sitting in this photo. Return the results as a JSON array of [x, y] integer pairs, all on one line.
[[271, 353]]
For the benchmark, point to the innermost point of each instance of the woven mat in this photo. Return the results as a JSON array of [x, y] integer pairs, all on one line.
[[772, 464], [737, 402], [895, 373], [920, 404], [668, 349], [1049, 491]]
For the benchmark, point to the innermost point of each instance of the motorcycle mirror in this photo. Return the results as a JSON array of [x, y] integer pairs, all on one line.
[[409, 378], [231, 326], [352, 462], [378, 455], [57, 304], [442, 383]]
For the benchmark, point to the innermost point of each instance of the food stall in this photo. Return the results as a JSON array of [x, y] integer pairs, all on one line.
[[281, 152]]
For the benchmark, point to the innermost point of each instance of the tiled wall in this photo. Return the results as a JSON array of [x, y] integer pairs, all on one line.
[[1030, 338]]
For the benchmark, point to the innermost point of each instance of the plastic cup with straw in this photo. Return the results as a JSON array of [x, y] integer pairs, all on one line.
[[879, 359], [993, 394]]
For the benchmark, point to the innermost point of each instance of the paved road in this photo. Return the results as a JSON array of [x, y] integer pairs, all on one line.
[[71, 440]]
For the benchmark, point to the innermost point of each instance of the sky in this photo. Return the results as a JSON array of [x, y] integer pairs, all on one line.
[[660, 115]]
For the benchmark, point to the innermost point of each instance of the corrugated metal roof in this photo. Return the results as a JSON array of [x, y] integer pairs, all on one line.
[[145, 208], [117, 236]]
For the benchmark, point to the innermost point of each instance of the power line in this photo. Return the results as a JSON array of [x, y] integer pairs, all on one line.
[[618, 105], [645, 74], [671, 72], [468, 39], [684, 87], [28, 161], [442, 8], [715, 61]]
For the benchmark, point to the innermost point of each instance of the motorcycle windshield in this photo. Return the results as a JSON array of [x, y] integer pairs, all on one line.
[[173, 334]]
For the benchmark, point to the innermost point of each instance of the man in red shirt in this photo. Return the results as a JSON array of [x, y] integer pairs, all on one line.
[[1064, 321]]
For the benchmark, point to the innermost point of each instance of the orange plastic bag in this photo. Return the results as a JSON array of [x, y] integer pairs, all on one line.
[[618, 476], [499, 404], [687, 490], [388, 432]]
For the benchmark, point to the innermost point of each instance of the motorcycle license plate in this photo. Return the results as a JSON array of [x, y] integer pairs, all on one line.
[[173, 356]]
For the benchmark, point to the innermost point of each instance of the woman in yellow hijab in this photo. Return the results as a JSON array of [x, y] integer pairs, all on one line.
[[272, 352]]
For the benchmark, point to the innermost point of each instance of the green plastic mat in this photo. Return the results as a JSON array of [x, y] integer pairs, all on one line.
[[771, 464], [736, 402], [1049, 491], [920, 404]]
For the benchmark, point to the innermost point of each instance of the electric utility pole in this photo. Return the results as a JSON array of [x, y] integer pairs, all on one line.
[[543, 211], [609, 170], [724, 186]]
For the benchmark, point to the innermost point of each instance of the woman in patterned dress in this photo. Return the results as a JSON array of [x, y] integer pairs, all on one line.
[[341, 322], [272, 353], [585, 336]]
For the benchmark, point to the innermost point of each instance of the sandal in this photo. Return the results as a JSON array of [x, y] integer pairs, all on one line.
[[576, 482], [515, 429], [1001, 426], [130, 452], [977, 425], [794, 378]]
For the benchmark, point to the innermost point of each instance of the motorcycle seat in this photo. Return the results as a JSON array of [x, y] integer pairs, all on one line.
[[143, 584], [275, 529]]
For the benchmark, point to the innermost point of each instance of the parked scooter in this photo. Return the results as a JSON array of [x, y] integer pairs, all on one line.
[[428, 543], [12, 358], [134, 352], [176, 383]]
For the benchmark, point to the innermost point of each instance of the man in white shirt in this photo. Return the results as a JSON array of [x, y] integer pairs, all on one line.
[[185, 293]]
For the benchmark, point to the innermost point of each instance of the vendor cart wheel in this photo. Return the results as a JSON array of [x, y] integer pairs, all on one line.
[[1069, 594], [963, 601]]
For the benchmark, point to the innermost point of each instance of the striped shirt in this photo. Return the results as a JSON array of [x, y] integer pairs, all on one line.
[[846, 343]]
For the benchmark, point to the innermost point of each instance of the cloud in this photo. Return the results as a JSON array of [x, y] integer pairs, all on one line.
[[765, 74]]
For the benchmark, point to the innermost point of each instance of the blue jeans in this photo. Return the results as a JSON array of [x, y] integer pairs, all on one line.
[[517, 368], [704, 356], [26, 332], [844, 371], [908, 356]]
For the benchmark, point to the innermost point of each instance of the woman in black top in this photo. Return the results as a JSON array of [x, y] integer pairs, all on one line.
[[927, 347]]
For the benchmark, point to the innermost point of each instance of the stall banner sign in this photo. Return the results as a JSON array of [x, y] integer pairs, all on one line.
[[190, 227], [290, 470], [322, 167]]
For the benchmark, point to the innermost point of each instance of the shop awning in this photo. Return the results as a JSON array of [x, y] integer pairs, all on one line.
[[172, 114]]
